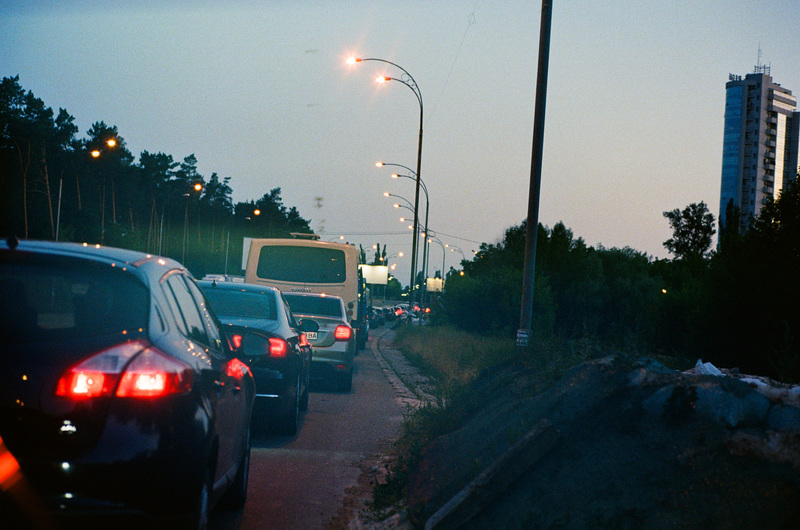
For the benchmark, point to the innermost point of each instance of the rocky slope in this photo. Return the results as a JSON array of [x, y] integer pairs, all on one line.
[[617, 444]]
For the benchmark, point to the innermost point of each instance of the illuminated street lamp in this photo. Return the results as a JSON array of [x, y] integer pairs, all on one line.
[[408, 81], [111, 143], [454, 248], [427, 202], [427, 212], [408, 206], [198, 187]]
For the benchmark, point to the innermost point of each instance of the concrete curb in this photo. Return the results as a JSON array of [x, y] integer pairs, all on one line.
[[496, 478], [405, 395]]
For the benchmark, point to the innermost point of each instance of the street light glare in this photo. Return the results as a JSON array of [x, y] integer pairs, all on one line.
[[395, 175], [96, 153], [386, 193], [379, 164], [381, 79], [111, 142], [353, 60]]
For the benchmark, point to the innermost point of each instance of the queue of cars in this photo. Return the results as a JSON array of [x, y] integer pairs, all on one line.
[[128, 389]]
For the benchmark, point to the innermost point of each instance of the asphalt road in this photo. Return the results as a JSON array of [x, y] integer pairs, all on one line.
[[311, 480]]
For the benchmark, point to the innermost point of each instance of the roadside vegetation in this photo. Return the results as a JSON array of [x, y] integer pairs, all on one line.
[[55, 185], [734, 307]]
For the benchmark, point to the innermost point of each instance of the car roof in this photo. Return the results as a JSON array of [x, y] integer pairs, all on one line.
[[314, 295], [128, 260], [236, 286]]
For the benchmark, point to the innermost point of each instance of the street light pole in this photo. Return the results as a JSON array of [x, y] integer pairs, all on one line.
[[425, 251], [412, 84], [531, 229], [444, 253]]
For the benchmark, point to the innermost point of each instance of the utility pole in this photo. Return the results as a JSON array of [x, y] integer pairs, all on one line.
[[526, 310]]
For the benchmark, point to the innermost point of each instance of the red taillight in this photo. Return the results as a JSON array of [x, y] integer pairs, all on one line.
[[398, 312], [277, 347], [303, 340], [98, 375], [237, 341], [127, 370], [343, 333], [237, 369], [154, 374]]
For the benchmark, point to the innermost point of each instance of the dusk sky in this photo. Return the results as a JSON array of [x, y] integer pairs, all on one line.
[[260, 93]]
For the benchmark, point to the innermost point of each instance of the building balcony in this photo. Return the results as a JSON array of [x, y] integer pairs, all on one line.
[[770, 131], [768, 189], [770, 143]]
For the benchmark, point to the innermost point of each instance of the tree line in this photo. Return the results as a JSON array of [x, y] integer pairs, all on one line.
[[57, 186], [735, 306]]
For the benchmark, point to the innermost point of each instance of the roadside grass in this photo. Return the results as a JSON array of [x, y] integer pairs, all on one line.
[[455, 360]]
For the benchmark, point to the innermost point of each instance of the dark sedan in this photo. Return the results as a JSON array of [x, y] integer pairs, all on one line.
[[273, 346], [119, 393]]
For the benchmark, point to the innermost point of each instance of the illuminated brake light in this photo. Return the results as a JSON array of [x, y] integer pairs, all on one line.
[[237, 341], [277, 347], [237, 369], [304, 340], [126, 370], [154, 374], [343, 333], [98, 375]]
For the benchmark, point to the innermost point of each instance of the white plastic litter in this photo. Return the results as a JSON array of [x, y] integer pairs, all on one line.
[[706, 368]]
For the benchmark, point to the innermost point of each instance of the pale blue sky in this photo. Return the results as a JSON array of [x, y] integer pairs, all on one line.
[[260, 92]]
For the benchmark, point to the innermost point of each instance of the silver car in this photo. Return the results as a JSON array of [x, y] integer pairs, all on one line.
[[334, 344]]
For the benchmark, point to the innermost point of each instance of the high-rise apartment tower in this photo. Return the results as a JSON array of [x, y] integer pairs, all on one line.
[[760, 145]]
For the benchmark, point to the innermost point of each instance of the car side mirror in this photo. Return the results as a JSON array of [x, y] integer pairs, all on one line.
[[307, 325]]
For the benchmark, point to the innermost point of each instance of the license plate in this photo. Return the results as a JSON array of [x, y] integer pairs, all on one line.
[[311, 335]]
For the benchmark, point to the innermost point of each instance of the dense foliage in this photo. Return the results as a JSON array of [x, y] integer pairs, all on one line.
[[736, 307], [53, 187]]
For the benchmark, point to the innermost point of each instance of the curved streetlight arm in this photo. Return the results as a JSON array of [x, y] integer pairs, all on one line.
[[411, 206], [381, 164], [444, 254], [454, 248], [411, 83], [421, 182]]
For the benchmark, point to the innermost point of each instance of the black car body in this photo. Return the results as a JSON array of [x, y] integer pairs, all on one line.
[[119, 392], [273, 346]]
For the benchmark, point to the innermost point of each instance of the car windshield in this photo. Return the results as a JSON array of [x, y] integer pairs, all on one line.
[[241, 303], [315, 305], [46, 298]]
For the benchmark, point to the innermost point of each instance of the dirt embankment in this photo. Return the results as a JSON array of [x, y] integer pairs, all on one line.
[[617, 444]]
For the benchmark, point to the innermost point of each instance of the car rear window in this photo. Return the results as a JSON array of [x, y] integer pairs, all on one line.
[[240, 303], [45, 298], [315, 305]]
